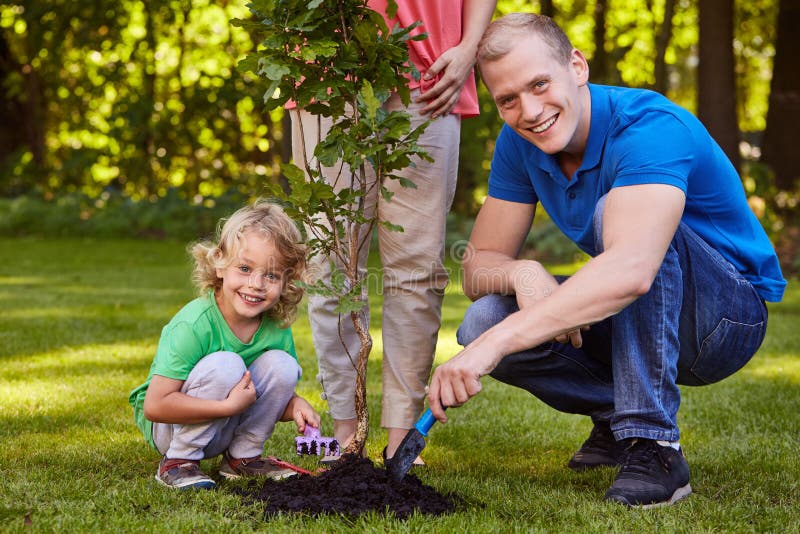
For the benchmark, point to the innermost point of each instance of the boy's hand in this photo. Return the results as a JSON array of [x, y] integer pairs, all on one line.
[[301, 412], [242, 395]]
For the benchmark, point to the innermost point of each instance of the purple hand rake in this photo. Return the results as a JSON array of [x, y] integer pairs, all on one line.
[[312, 443]]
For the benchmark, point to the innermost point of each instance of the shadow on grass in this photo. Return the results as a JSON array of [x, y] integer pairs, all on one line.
[[74, 292]]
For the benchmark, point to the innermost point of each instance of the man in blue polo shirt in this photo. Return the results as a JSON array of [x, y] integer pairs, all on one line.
[[680, 269]]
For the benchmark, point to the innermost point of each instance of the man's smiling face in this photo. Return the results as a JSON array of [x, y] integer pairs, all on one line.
[[544, 100]]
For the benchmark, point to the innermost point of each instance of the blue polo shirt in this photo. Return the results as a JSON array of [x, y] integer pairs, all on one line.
[[640, 137]]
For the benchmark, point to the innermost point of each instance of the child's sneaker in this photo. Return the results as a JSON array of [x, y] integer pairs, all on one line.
[[252, 467], [182, 474]]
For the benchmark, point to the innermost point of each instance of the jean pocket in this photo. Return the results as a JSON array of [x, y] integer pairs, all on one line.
[[726, 350]]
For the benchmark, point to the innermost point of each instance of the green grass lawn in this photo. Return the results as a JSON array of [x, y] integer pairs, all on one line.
[[79, 324]]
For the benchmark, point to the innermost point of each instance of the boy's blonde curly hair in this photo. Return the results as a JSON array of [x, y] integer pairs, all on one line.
[[270, 220]]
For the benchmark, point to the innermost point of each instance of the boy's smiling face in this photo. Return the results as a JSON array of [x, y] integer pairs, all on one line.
[[253, 281]]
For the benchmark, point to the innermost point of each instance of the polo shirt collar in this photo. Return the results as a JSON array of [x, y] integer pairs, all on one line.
[[601, 117]]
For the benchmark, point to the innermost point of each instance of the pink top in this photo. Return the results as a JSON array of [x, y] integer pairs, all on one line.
[[442, 21], [443, 31]]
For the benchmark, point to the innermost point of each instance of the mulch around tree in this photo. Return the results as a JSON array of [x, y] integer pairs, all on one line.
[[351, 487]]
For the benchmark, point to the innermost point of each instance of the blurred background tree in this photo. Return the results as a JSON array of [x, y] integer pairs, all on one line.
[[138, 96], [142, 97]]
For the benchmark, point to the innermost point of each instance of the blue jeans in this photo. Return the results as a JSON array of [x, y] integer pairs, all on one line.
[[700, 322]]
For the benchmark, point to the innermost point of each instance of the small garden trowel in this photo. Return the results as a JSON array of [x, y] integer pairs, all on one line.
[[410, 447]]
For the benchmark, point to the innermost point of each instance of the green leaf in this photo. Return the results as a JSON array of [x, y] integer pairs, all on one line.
[[292, 172], [276, 191], [350, 303], [391, 227], [405, 182], [274, 71], [337, 278], [322, 48], [391, 8], [371, 104], [328, 154], [261, 6], [386, 194], [248, 64], [269, 96]]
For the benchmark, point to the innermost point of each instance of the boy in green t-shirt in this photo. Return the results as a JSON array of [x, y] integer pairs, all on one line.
[[226, 368]]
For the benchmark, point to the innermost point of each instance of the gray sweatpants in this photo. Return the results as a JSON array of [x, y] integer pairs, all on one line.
[[274, 374]]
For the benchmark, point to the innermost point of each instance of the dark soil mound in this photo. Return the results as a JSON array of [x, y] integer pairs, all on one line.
[[352, 487]]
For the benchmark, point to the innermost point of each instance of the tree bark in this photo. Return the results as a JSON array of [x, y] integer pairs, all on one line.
[[359, 319], [148, 142], [716, 88], [359, 440], [778, 148], [12, 109], [662, 42], [600, 61], [547, 8]]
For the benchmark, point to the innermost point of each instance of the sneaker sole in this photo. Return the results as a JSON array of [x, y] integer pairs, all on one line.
[[236, 476], [200, 484], [680, 493], [229, 476]]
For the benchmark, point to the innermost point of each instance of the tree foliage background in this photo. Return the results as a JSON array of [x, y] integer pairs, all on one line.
[[142, 97]]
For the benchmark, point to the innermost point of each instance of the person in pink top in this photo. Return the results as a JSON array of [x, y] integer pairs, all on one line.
[[414, 276], [444, 59]]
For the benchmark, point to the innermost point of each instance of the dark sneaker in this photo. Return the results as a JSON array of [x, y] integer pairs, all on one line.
[[253, 467], [651, 475], [183, 474], [599, 450]]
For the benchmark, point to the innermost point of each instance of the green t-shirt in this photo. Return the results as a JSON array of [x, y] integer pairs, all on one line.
[[196, 331]]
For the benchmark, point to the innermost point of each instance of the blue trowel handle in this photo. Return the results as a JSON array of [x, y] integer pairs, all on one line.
[[425, 422]]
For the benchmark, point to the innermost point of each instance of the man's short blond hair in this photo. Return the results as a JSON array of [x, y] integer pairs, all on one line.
[[502, 34]]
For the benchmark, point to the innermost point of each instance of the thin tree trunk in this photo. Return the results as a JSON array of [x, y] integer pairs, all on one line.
[[600, 60], [192, 176], [34, 107], [12, 109], [779, 148], [547, 8], [662, 42], [356, 446], [359, 178], [149, 88], [716, 88]]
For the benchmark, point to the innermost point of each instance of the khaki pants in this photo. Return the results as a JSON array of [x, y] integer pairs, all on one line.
[[413, 279]]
